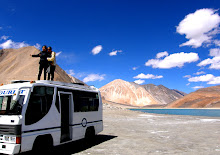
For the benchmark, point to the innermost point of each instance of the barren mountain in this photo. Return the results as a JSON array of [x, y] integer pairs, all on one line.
[[203, 98], [123, 92], [162, 94], [17, 64], [130, 93]]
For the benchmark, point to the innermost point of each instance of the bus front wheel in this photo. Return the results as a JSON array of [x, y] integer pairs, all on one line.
[[89, 136], [43, 144], [90, 133]]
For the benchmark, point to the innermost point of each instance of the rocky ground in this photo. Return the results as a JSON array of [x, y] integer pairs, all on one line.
[[127, 133]]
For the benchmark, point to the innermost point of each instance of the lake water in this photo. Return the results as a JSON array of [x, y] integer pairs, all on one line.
[[193, 112]]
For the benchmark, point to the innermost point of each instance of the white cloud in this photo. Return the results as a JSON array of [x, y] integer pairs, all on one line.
[[213, 62], [134, 68], [97, 49], [217, 42], [94, 77], [11, 44], [214, 52], [70, 72], [58, 53], [37, 46], [203, 78], [199, 73], [205, 62], [187, 76], [162, 54], [148, 76], [188, 84], [76, 75], [173, 60], [198, 87], [80, 75], [199, 27], [216, 80], [139, 81], [209, 78], [113, 53], [4, 37]]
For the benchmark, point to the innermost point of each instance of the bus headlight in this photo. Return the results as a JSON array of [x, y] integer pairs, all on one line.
[[11, 139], [6, 138]]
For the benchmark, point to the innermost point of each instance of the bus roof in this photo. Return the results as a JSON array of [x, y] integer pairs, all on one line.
[[25, 83]]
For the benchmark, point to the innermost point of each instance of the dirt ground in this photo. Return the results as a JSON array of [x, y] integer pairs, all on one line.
[[134, 133]]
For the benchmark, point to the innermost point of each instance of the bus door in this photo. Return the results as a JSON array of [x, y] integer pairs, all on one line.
[[65, 99]]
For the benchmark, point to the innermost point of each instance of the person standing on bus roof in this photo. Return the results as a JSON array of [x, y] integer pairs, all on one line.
[[52, 63], [43, 63]]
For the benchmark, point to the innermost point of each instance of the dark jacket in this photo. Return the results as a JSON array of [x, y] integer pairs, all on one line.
[[43, 57]]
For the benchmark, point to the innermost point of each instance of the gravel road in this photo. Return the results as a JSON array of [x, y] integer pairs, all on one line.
[[134, 133]]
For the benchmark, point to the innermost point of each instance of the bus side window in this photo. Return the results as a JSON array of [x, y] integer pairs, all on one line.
[[49, 97], [85, 101], [1, 100], [84, 104], [57, 103], [39, 104], [95, 104], [76, 101]]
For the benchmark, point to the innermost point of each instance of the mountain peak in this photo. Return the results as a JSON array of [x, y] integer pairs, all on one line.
[[130, 93], [118, 80]]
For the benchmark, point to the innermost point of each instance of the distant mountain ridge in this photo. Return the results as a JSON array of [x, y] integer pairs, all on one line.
[[202, 98], [17, 64], [130, 93], [163, 94], [179, 92]]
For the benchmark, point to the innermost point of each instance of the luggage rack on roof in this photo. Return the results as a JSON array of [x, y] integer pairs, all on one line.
[[19, 81], [76, 85], [45, 81], [58, 83]]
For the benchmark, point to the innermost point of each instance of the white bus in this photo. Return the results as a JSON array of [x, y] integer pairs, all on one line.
[[41, 114]]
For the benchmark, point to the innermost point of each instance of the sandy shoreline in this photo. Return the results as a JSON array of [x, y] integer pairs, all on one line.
[[123, 106], [129, 132]]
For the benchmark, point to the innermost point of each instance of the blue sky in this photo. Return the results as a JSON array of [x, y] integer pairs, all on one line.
[[173, 43]]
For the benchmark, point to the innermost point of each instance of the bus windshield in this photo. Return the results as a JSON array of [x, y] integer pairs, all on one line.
[[8, 106]]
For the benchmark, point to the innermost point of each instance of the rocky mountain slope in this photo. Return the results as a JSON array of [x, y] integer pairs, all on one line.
[[162, 94], [130, 93], [17, 64], [203, 98]]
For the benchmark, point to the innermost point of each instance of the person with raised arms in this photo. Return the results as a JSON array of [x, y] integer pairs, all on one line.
[[43, 63]]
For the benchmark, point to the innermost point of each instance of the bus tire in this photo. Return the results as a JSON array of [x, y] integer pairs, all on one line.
[[43, 144], [90, 134]]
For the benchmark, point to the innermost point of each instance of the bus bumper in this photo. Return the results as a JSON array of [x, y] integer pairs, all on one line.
[[7, 148]]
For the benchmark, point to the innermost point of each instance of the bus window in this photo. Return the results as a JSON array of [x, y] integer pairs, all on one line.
[[39, 104], [85, 101], [84, 106], [57, 103], [5, 102], [95, 105], [9, 106]]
